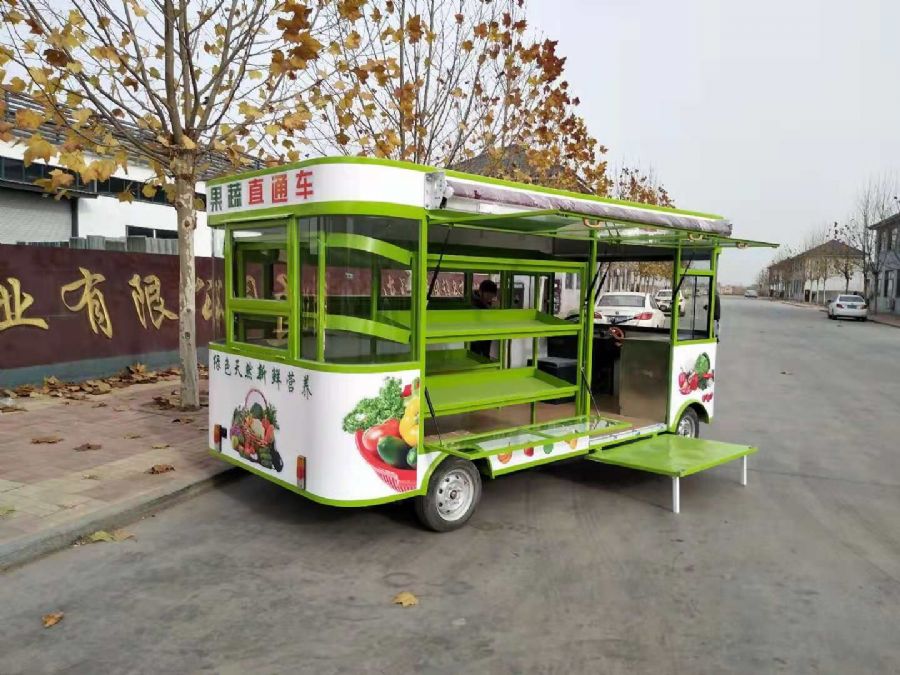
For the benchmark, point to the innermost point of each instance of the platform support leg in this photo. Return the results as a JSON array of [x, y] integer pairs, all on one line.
[[744, 470], [676, 495]]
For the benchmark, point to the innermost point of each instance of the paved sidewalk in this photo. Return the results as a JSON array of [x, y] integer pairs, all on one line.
[[887, 319], [51, 493]]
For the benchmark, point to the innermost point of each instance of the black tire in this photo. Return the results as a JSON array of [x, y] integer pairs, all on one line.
[[863, 318], [433, 509], [688, 417]]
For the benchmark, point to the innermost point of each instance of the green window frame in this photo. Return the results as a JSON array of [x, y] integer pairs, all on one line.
[[270, 318]]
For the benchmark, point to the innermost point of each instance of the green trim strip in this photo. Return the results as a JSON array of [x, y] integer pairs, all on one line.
[[355, 324], [310, 495], [365, 244], [335, 208], [470, 263], [684, 406], [264, 307], [261, 353]]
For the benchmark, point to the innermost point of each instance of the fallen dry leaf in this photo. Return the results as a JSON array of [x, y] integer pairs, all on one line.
[[121, 408], [90, 476], [52, 619], [88, 446], [159, 446], [11, 408], [132, 434], [161, 468], [6, 510], [101, 404], [109, 537], [46, 439], [183, 420], [406, 599]]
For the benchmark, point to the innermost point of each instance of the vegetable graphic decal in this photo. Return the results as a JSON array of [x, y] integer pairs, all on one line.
[[253, 432], [698, 375], [386, 428]]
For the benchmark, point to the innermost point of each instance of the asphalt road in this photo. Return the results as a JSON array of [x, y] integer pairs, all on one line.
[[567, 569]]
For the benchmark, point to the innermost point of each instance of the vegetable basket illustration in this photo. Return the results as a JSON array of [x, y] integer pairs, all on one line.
[[386, 431], [253, 427]]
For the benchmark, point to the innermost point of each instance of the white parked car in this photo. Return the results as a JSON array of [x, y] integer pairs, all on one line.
[[663, 299], [750, 293], [848, 307], [628, 309]]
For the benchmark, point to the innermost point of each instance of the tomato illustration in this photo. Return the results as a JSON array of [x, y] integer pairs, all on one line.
[[374, 434], [529, 452], [504, 457], [693, 381]]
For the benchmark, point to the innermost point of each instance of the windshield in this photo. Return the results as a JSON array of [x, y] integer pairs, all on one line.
[[664, 294], [850, 298], [621, 301]]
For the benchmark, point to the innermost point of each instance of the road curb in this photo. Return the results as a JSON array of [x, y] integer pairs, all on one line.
[[884, 323], [28, 547]]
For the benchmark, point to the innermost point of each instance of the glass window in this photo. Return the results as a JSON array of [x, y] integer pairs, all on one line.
[[260, 263], [13, 169], [694, 324], [264, 331], [620, 300], [368, 288]]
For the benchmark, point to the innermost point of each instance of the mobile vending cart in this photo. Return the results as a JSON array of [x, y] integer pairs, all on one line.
[[347, 372]]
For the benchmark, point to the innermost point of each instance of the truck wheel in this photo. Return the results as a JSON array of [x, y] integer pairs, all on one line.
[[689, 424], [453, 493]]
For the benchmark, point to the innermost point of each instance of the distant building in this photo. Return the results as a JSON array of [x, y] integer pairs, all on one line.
[[818, 274], [30, 215], [885, 288]]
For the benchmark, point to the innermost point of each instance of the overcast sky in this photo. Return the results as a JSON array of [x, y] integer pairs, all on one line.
[[771, 113]]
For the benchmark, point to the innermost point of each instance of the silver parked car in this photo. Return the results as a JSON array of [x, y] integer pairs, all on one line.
[[848, 307]]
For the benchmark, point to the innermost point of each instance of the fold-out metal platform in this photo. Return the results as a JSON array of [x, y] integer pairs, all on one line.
[[674, 456]]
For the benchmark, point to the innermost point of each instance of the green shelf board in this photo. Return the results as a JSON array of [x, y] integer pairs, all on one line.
[[454, 325], [672, 455], [454, 360], [455, 393]]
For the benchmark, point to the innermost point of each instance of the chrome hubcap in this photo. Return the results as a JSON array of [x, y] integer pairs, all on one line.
[[454, 495], [686, 427]]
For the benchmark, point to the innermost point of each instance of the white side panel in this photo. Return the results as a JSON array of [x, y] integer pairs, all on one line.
[[320, 183], [691, 381], [314, 452]]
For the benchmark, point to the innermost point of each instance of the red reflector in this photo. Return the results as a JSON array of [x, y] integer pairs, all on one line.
[[644, 316]]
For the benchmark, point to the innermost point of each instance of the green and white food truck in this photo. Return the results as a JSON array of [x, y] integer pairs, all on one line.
[[357, 369]]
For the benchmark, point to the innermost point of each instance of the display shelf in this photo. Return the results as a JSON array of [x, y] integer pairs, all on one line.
[[456, 325], [454, 393], [454, 360]]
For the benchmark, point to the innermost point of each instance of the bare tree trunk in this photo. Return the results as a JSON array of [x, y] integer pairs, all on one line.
[[185, 188]]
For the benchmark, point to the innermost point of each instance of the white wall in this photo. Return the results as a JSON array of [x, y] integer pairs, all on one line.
[[108, 217]]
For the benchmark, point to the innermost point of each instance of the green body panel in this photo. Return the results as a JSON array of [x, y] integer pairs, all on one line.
[[464, 392], [672, 455], [456, 325]]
